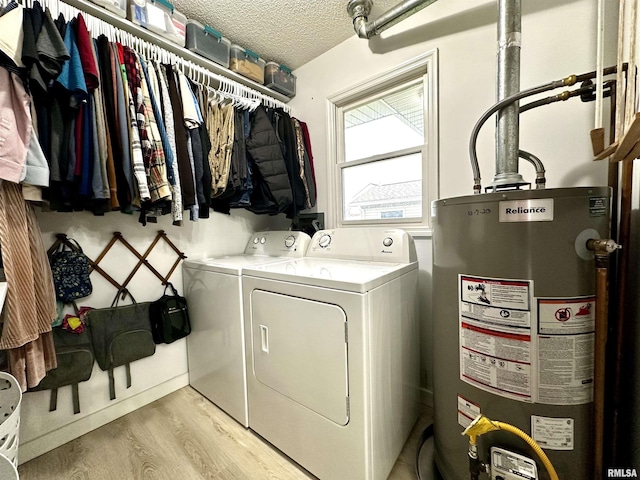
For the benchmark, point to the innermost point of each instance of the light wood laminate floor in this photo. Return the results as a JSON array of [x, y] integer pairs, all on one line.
[[182, 436]]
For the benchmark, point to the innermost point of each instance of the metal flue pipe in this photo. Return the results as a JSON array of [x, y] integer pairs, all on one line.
[[359, 11], [508, 83]]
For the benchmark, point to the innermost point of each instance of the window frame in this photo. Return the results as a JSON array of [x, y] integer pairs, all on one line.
[[423, 68]]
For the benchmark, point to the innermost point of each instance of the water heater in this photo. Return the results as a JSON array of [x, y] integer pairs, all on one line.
[[514, 316]]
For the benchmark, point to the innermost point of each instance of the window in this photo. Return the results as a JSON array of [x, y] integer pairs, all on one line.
[[385, 156]]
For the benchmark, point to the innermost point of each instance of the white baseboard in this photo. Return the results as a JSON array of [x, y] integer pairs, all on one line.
[[38, 446]]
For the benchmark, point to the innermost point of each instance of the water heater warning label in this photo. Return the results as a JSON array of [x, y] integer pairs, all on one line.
[[467, 411], [495, 335], [565, 350]]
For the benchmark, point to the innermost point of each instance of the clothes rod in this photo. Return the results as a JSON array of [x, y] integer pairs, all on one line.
[[151, 37]]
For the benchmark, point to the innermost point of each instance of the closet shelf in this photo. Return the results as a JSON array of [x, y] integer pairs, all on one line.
[[151, 37]]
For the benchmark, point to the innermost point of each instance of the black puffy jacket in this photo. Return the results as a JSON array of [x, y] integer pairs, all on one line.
[[271, 189]]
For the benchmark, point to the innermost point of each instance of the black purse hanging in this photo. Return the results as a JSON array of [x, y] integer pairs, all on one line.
[[169, 317]]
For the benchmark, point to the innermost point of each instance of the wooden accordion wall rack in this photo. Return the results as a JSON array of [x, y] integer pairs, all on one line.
[[61, 238]]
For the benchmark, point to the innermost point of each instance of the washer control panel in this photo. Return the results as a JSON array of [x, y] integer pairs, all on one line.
[[278, 243]]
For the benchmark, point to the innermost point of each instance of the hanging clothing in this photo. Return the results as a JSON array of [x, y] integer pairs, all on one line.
[[170, 150], [271, 190], [192, 119], [131, 88], [114, 141], [221, 132], [11, 34], [124, 167], [155, 162], [112, 131], [281, 122], [30, 306], [15, 126], [307, 147], [43, 54], [238, 190], [182, 153], [36, 169], [305, 166], [85, 52], [194, 210], [71, 76], [100, 182], [205, 144]]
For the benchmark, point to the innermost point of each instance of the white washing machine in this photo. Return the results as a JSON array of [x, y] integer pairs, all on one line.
[[213, 289], [333, 352]]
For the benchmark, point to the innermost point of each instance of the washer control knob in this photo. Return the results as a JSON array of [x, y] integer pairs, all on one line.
[[263, 240], [289, 241], [324, 241], [255, 240], [387, 242]]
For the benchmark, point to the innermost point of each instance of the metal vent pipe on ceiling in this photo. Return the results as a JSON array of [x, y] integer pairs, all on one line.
[[359, 11]]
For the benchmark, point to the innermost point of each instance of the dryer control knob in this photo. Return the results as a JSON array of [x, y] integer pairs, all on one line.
[[263, 240], [255, 240], [324, 241], [289, 241], [387, 242]]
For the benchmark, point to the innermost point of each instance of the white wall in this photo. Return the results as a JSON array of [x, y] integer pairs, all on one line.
[[152, 377], [558, 39]]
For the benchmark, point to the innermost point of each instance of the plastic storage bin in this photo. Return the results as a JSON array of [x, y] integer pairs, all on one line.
[[279, 78], [208, 42], [246, 63], [160, 17], [10, 401], [119, 7]]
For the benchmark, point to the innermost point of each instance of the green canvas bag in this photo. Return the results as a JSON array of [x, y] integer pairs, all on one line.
[[121, 335]]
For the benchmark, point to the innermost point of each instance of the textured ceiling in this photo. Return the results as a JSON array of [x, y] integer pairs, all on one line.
[[290, 32]]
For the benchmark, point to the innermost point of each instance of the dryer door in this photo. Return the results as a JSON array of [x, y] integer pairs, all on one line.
[[300, 350]]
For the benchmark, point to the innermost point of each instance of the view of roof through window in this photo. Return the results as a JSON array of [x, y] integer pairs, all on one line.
[[392, 187]]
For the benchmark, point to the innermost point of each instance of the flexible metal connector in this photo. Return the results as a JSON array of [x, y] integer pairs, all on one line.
[[541, 180], [359, 11], [475, 465], [477, 187]]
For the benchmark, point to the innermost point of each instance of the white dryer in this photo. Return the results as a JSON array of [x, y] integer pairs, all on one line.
[[213, 289], [333, 353]]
